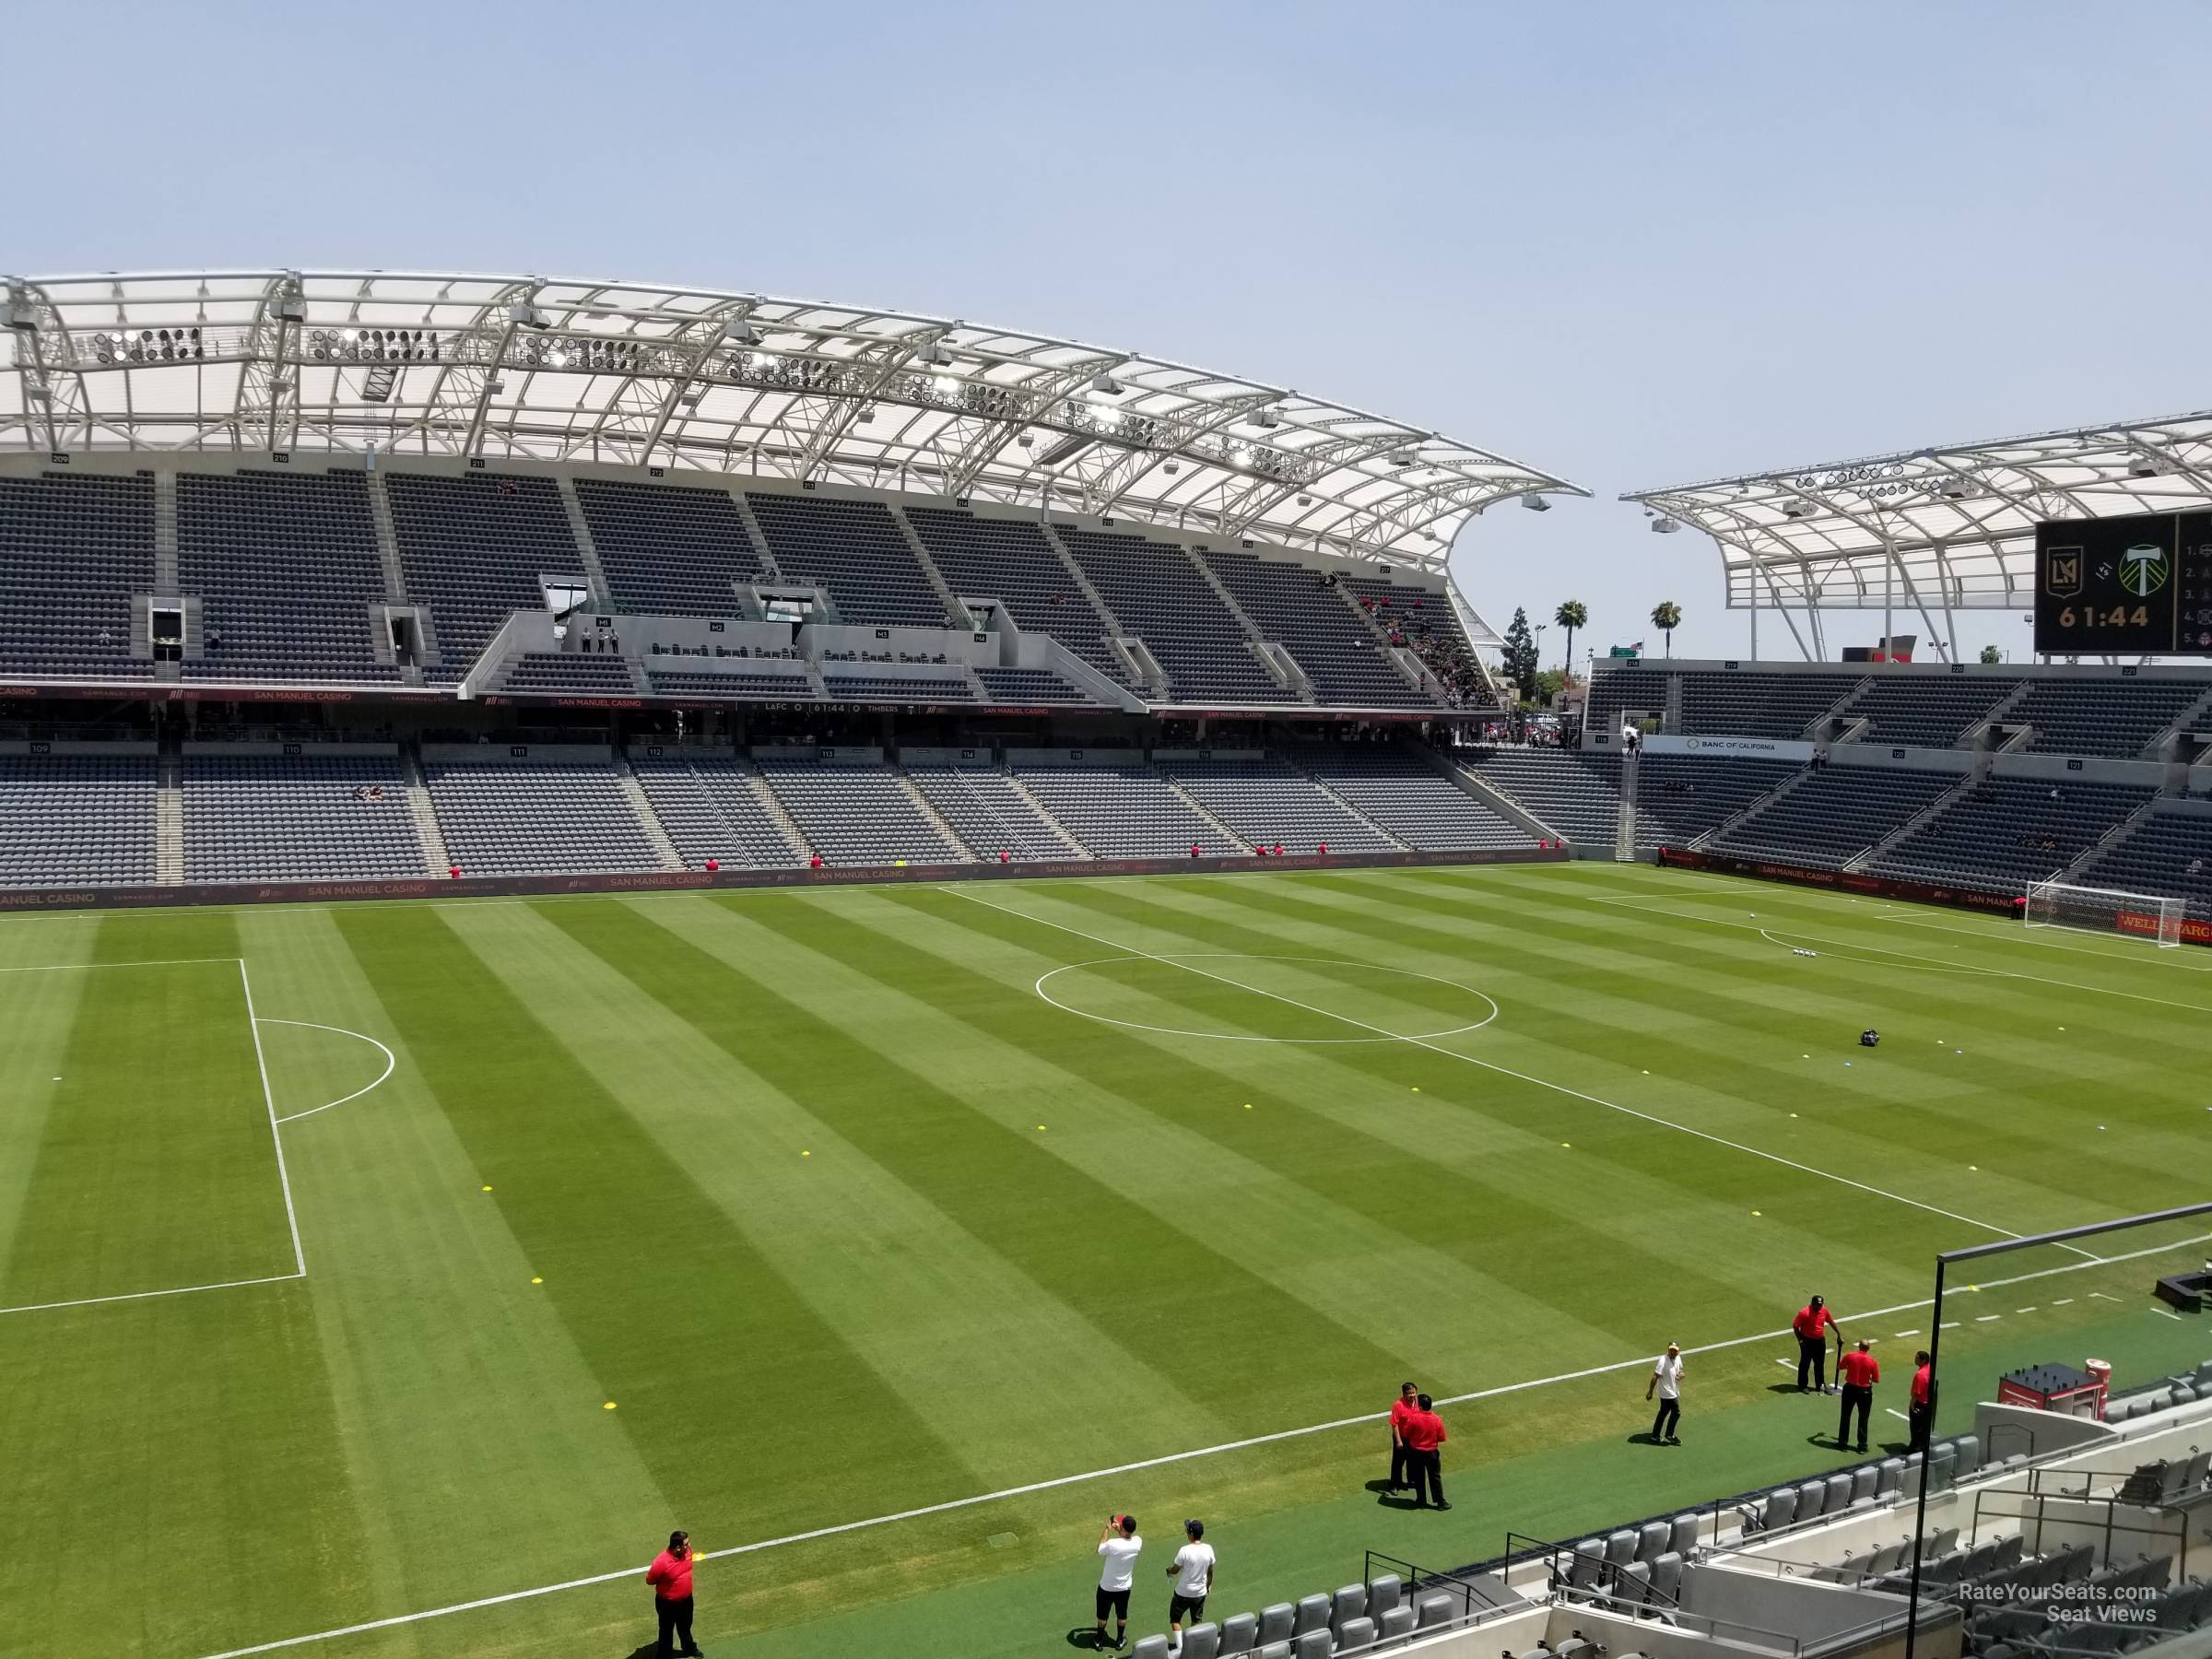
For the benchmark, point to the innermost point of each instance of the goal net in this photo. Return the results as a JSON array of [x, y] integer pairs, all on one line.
[[2105, 910]]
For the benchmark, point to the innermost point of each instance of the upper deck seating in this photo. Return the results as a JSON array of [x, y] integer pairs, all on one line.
[[854, 551], [1923, 710], [473, 549], [1010, 561], [1830, 816], [74, 547], [669, 549], [1157, 594], [1306, 611]]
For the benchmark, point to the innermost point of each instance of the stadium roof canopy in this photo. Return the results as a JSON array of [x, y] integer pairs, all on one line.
[[637, 374], [1945, 528]]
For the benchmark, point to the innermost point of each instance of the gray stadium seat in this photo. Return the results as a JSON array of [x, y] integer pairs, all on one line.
[[1275, 1649], [1150, 1647], [1313, 1615], [1683, 1537], [1781, 1508], [1434, 1610], [1666, 1577], [1652, 1540], [1202, 1641], [1385, 1593], [1313, 1645], [1240, 1633], [1588, 1555], [1888, 1478], [1349, 1603], [1354, 1634], [1620, 1548], [1864, 1480], [1398, 1621], [1838, 1496], [1277, 1620], [1812, 1500]]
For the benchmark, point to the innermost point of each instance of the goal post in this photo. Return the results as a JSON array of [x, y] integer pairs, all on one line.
[[2106, 911]]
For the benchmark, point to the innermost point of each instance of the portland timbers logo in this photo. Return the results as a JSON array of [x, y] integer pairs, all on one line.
[[2143, 569]]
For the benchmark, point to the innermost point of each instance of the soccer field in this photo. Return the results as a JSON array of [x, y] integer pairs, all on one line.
[[359, 1262]]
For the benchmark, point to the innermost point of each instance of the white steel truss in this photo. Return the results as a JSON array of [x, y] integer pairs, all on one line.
[[630, 373]]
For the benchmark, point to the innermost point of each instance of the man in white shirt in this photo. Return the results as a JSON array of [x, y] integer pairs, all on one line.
[[1193, 1576], [1667, 1382], [1120, 1545]]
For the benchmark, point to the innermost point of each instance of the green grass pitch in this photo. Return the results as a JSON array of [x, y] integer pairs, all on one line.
[[768, 1213]]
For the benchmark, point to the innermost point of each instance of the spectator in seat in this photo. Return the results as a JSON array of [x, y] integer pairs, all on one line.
[[815, 863], [1193, 849]]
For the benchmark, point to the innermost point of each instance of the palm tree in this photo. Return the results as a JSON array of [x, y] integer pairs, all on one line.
[[1667, 616], [1572, 614]]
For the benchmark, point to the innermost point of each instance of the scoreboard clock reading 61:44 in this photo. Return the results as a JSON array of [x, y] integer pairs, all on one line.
[[2134, 587]]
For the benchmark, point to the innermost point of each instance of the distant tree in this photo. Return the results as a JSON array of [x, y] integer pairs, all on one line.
[[1550, 682], [1572, 614], [1518, 655], [1990, 654], [1667, 616]]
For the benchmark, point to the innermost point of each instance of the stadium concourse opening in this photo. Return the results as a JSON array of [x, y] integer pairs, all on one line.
[[903, 936]]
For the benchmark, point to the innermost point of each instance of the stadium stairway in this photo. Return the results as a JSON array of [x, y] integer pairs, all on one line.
[[168, 823], [2108, 841], [438, 861], [1721, 830], [930, 814], [1290, 759], [1941, 804], [1023, 792], [655, 831], [1196, 806], [1496, 799]]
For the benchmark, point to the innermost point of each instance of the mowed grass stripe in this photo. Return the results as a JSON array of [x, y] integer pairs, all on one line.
[[451, 1374], [1728, 1184], [38, 1012], [1346, 1125], [1092, 1246], [993, 1362], [179, 1176], [723, 1373], [1916, 1093], [192, 1436]]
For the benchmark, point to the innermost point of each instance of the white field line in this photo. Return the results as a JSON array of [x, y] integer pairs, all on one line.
[[1502, 1070], [2164, 1001], [1894, 1412], [2018, 937], [94, 1302], [73, 967], [1058, 1481], [291, 1214], [2169, 1314], [390, 1064]]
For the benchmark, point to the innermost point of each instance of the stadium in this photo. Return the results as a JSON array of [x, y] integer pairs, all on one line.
[[875, 937]]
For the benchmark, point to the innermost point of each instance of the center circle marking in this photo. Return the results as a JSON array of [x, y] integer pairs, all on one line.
[[1241, 956]]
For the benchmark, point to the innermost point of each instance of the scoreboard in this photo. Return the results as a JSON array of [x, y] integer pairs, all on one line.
[[2134, 587]]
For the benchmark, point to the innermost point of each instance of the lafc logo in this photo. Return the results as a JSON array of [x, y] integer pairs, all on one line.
[[2062, 572], [2143, 570]]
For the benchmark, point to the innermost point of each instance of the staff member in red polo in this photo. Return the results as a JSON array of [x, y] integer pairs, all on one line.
[[1811, 1324], [1424, 1434], [670, 1576], [1401, 1413], [1922, 1411], [1858, 1371]]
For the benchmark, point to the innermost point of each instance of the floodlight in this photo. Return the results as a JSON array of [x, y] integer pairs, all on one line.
[[290, 309], [1797, 507], [2150, 466], [1535, 502], [558, 357], [1665, 526], [945, 385]]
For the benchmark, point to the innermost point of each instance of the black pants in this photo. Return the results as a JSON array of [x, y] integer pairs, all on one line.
[[1920, 1419], [675, 1625], [1400, 1456], [1812, 1359], [1428, 1471], [1668, 1419], [1860, 1400]]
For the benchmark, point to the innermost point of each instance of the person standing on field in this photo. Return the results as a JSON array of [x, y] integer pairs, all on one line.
[[1666, 1383], [1858, 1371], [1401, 1412], [1120, 1546], [1424, 1434], [1194, 1575], [670, 1576], [1811, 1324], [1923, 1402]]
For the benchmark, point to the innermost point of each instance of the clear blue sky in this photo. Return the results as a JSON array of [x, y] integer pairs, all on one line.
[[1633, 243]]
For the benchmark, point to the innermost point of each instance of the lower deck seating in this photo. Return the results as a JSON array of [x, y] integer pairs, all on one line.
[[77, 820], [710, 806], [1829, 817], [743, 688], [1271, 804], [868, 688], [1680, 797], [856, 813], [1410, 799], [1123, 812], [2006, 832], [301, 817], [501, 817], [1575, 791], [2168, 853], [989, 812]]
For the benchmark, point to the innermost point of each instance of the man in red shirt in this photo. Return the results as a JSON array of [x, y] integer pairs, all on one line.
[[1922, 1408], [1401, 1413], [670, 1576], [1424, 1434], [1811, 1324], [1858, 1371]]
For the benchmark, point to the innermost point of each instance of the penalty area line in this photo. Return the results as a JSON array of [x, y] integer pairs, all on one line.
[[757, 1546]]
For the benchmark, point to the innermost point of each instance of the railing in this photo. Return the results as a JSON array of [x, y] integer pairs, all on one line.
[[2109, 1526]]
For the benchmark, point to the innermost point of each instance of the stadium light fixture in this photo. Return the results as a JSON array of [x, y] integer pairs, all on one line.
[[525, 315], [1665, 526], [1535, 504], [932, 352], [1953, 490], [1797, 507], [2146, 465], [1402, 458], [1105, 385], [1266, 419], [945, 385], [739, 331]]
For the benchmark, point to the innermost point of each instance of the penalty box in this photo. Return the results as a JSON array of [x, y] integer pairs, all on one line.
[[139, 1151]]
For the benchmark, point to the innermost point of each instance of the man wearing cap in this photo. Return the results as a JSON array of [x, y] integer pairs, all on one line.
[[1424, 1434], [1120, 1546], [1811, 1324], [1193, 1571], [1858, 1371], [1401, 1413], [1666, 1383], [1922, 1403]]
